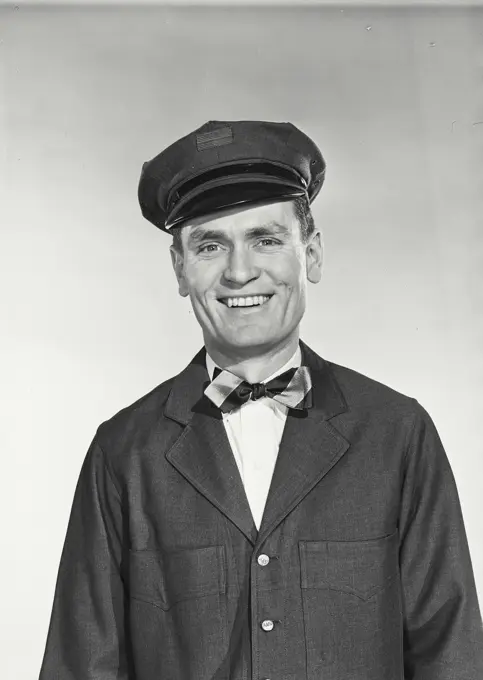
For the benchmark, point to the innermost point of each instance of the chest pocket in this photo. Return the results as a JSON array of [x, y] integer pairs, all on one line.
[[164, 579], [360, 568], [351, 607]]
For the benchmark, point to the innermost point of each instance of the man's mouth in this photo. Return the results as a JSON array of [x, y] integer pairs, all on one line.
[[246, 301]]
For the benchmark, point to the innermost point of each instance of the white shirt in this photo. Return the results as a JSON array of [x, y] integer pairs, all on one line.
[[255, 431]]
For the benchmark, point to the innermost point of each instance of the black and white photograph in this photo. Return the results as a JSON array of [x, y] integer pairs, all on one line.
[[242, 348]]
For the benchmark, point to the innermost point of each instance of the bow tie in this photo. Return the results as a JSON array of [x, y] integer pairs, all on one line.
[[293, 388]]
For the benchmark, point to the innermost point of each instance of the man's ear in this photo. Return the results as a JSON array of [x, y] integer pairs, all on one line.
[[178, 266], [314, 257]]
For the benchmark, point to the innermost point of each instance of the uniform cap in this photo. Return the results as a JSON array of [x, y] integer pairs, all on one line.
[[227, 163]]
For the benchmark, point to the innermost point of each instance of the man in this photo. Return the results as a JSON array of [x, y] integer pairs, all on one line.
[[265, 513]]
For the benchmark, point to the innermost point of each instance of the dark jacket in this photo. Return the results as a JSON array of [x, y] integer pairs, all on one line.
[[369, 574]]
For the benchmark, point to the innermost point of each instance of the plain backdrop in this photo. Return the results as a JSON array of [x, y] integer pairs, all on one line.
[[91, 318]]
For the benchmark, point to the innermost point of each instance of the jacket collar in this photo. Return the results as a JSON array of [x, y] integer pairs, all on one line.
[[187, 393]]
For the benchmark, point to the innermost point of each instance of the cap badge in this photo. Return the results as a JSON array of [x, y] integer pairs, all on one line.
[[218, 137]]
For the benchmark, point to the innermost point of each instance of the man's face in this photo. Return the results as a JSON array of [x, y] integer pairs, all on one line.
[[246, 273]]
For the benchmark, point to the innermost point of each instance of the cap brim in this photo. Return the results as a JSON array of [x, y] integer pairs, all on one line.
[[227, 192]]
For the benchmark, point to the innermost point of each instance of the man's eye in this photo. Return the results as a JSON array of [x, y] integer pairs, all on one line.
[[270, 240], [204, 248]]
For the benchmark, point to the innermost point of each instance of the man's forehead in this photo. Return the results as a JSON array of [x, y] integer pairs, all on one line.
[[273, 217]]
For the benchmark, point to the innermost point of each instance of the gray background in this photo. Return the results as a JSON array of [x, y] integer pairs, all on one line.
[[91, 318]]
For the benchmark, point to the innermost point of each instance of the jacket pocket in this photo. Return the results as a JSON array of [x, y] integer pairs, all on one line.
[[360, 568], [164, 579], [351, 605], [178, 613]]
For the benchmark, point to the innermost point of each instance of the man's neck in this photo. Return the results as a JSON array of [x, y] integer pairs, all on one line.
[[252, 367]]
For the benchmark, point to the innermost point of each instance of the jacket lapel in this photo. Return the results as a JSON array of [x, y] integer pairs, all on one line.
[[203, 454], [309, 448], [310, 445]]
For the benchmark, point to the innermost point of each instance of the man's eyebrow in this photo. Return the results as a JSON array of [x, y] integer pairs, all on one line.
[[269, 229], [199, 234]]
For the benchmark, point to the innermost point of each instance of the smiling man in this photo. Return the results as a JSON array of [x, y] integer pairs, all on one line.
[[246, 272], [266, 513]]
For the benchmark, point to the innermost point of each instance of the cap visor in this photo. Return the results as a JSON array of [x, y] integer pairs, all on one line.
[[228, 192]]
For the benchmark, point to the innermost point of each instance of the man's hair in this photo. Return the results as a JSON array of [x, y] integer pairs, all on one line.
[[304, 215], [302, 212]]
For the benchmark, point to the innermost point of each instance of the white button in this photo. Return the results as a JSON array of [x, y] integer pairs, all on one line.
[[267, 625], [263, 560]]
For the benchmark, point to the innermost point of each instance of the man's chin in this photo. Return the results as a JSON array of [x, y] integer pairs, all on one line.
[[246, 342]]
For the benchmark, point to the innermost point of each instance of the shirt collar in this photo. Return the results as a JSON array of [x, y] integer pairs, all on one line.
[[294, 362]]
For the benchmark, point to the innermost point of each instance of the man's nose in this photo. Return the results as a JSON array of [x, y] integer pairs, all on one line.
[[241, 266]]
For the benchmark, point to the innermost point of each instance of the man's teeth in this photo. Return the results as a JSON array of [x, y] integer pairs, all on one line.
[[248, 301]]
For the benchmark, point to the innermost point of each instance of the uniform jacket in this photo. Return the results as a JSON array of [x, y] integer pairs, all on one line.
[[369, 574]]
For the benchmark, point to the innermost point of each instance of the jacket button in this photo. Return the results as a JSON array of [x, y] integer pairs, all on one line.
[[267, 625], [263, 560]]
